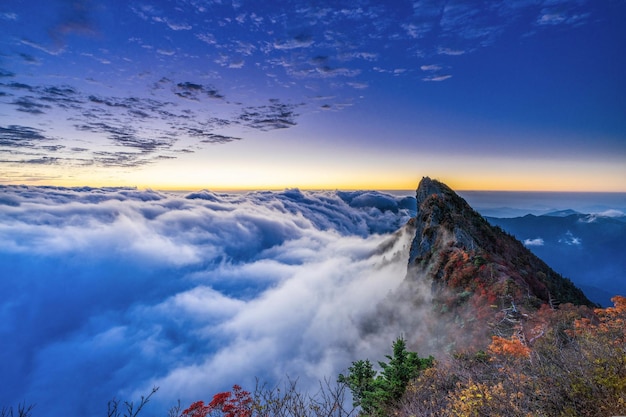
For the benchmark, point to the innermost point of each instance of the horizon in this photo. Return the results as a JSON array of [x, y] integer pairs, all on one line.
[[494, 203], [221, 189]]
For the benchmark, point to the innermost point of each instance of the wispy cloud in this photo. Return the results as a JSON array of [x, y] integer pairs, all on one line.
[[9, 16], [23, 136], [431, 67], [570, 240], [207, 38], [437, 78], [275, 115], [358, 86], [128, 122], [534, 242], [450, 51], [192, 91], [176, 26], [553, 18], [29, 105], [55, 50], [299, 41]]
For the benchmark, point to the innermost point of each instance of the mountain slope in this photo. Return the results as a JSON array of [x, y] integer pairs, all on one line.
[[483, 280]]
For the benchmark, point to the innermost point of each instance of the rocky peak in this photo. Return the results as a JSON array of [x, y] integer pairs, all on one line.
[[476, 270], [442, 218]]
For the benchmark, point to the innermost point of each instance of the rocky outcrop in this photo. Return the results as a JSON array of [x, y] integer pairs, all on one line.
[[477, 271], [439, 220]]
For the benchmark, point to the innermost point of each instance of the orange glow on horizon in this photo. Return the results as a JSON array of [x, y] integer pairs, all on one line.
[[389, 174], [457, 184]]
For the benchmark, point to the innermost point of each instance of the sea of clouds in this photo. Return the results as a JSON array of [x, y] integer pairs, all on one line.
[[105, 293]]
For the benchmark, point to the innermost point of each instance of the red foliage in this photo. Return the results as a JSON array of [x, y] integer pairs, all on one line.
[[197, 409], [237, 403]]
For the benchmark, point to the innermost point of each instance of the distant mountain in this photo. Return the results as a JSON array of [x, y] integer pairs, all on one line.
[[562, 213], [483, 280], [588, 248]]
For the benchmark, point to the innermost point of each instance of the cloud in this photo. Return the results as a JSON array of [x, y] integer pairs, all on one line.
[[28, 105], [570, 240], [209, 137], [191, 91], [301, 40], [128, 122], [176, 26], [560, 14], [49, 50], [166, 52], [207, 38], [21, 136], [358, 86], [611, 213], [190, 292], [534, 242], [149, 12], [276, 115], [435, 75], [431, 67], [450, 51], [8, 16], [437, 78], [126, 136], [416, 31]]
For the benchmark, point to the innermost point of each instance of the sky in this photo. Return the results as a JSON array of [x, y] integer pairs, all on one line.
[[220, 94]]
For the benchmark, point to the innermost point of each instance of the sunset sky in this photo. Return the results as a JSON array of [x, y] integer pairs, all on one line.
[[221, 94]]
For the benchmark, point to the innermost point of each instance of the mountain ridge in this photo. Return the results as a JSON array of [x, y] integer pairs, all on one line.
[[482, 279]]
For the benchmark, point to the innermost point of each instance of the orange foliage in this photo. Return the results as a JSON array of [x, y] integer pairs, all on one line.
[[512, 347], [611, 322]]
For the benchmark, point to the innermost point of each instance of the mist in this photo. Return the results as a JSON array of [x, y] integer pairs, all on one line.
[[106, 293]]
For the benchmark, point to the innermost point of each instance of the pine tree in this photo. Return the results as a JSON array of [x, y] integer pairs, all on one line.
[[374, 392]]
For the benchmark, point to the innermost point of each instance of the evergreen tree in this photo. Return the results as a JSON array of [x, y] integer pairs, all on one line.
[[374, 392]]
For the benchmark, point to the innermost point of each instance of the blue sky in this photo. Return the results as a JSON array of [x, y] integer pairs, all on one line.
[[195, 94]]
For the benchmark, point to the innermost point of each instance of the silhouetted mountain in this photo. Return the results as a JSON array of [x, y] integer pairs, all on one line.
[[482, 278]]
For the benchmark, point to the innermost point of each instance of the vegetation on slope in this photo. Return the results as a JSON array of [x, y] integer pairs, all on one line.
[[574, 365]]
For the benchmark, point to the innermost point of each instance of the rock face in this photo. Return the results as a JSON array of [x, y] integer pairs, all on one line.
[[441, 215], [478, 273]]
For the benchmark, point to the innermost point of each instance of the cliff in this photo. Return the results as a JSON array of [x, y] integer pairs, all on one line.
[[482, 279]]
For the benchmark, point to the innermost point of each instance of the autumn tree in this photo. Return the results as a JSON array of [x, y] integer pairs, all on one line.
[[237, 403]]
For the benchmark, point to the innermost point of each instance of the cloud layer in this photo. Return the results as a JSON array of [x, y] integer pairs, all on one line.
[[107, 292]]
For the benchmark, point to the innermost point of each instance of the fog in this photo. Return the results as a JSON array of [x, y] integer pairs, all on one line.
[[106, 293]]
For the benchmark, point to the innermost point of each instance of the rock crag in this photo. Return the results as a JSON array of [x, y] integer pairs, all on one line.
[[483, 280]]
